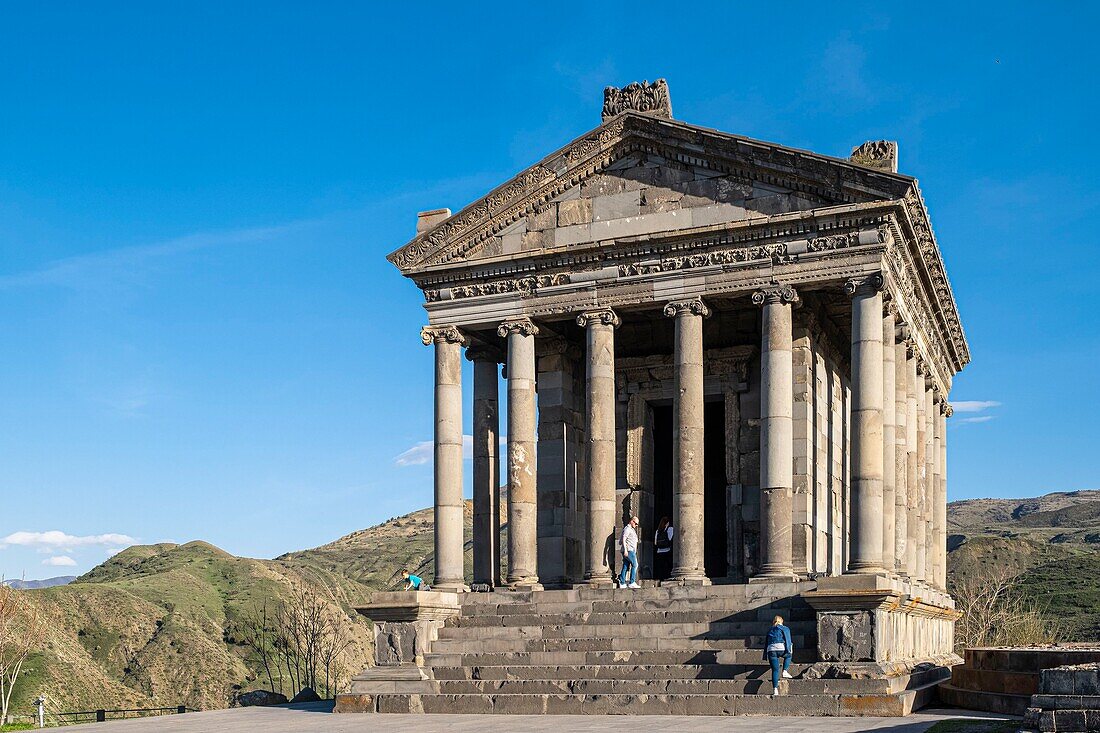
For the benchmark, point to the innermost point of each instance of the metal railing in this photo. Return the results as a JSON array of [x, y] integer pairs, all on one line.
[[55, 717]]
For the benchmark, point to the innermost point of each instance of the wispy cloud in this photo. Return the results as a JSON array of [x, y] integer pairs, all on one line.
[[424, 452], [972, 420], [128, 265], [56, 539], [60, 561], [974, 405]]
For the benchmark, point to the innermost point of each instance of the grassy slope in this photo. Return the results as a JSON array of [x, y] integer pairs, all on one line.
[[1054, 540], [154, 626]]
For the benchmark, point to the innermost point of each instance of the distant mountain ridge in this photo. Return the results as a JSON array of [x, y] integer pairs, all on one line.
[[45, 583]]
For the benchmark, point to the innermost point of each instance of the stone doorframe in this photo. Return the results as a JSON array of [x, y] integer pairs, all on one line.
[[643, 382]]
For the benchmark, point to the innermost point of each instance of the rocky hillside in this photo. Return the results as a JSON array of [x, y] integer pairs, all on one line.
[[158, 626]]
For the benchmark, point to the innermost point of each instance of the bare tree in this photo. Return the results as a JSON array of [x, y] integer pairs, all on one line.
[[995, 613], [257, 631], [22, 630]]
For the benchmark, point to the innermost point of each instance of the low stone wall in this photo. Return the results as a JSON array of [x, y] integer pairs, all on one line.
[[1002, 680], [1068, 700]]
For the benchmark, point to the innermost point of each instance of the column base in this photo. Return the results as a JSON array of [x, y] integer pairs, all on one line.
[[867, 570], [524, 584], [687, 580], [451, 586], [790, 577], [600, 581]]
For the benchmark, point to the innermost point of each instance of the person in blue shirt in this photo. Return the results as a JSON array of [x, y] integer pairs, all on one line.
[[413, 582], [778, 649]]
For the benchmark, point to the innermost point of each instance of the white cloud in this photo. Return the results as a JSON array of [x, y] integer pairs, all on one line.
[[60, 561], [58, 539], [974, 405], [979, 419], [424, 452]]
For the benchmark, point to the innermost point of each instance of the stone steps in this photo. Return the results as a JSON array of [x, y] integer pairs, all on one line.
[[748, 623], [705, 641], [640, 704], [614, 672], [661, 687], [714, 629], [637, 657]]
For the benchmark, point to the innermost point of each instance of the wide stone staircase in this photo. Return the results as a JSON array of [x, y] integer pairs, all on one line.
[[657, 650]]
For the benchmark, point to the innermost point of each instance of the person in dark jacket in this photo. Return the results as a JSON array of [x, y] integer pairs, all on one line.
[[778, 649], [662, 540]]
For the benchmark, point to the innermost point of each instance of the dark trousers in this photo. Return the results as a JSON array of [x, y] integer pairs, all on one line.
[[662, 565]]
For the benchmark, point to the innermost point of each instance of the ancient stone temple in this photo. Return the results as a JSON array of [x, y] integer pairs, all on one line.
[[755, 341]]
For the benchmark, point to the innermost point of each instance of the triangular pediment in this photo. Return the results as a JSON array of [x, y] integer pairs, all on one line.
[[636, 175]]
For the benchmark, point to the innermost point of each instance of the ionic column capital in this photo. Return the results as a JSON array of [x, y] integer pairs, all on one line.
[[523, 326], [903, 332], [694, 306], [775, 294], [946, 409], [484, 352], [864, 285], [442, 334], [606, 316]]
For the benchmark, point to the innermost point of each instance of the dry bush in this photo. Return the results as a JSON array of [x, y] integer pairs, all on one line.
[[996, 614], [22, 630]]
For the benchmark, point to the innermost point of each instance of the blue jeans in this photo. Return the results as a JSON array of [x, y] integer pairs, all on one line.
[[630, 560], [773, 660]]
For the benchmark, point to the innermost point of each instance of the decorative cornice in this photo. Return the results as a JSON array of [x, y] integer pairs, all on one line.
[[442, 334], [606, 316], [647, 98], [695, 307], [866, 285], [522, 326], [778, 294]]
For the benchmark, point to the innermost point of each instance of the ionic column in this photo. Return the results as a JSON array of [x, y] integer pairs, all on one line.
[[901, 472], [486, 469], [687, 429], [912, 474], [866, 439], [448, 342], [923, 476], [930, 411], [522, 491], [889, 446], [776, 433], [941, 495], [599, 419]]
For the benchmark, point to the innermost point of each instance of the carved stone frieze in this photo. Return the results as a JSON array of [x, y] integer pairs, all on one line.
[[694, 306], [606, 316], [645, 97], [879, 154], [445, 334], [776, 294], [523, 326], [495, 287]]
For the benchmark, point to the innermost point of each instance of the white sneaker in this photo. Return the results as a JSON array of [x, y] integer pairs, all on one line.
[[775, 692], [634, 585], [787, 675]]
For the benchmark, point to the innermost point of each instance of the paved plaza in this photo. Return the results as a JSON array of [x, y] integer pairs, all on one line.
[[318, 717]]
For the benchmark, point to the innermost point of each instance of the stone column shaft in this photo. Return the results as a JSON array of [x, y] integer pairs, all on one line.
[[687, 431], [930, 410], [922, 476], [889, 446], [912, 475], [901, 472], [776, 433], [599, 416], [866, 438], [486, 468], [448, 456], [522, 489], [941, 496]]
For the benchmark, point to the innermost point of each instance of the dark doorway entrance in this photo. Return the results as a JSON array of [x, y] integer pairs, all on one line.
[[714, 481]]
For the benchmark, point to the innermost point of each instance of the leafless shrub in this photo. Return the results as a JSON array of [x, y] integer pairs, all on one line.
[[22, 630], [996, 614]]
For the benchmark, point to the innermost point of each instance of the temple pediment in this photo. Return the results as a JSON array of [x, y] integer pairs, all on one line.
[[641, 174]]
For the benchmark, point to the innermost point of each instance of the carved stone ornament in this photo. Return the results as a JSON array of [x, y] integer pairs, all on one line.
[[864, 285], [777, 294], [645, 97], [879, 154], [695, 307], [946, 409], [442, 334], [522, 326], [605, 316]]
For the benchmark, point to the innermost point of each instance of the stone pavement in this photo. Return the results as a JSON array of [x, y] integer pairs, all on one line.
[[317, 717]]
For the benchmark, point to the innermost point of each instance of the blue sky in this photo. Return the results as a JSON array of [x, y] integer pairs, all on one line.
[[202, 338]]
